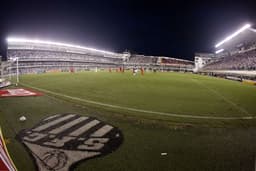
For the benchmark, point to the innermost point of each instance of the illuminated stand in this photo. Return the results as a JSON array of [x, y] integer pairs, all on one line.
[[202, 59], [23, 40], [81, 60], [245, 27]]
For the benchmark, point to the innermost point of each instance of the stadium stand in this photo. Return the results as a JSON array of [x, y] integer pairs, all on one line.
[[175, 62], [141, 59], [239, 61], [233, 59], [40, 56]]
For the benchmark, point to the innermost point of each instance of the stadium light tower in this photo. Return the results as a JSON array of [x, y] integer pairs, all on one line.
[[245, 27]]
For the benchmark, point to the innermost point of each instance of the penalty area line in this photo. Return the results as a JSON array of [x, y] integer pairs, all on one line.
[[140, 110]]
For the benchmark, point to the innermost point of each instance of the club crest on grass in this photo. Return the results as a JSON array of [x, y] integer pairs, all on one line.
[[60, 141]]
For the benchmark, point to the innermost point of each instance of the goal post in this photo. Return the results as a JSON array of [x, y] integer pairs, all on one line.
[[9, 73]]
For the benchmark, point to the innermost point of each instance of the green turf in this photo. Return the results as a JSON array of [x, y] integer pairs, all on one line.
[[197, 144], [163, 92]]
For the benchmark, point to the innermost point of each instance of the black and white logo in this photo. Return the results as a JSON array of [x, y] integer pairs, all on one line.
[[60, 141]]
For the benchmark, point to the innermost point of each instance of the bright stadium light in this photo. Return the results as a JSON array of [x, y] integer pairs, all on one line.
[[218, 51], [233, 35], [36, 41], [253, 30]]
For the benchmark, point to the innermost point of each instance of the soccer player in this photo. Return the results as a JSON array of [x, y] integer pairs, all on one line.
[[142, 71]]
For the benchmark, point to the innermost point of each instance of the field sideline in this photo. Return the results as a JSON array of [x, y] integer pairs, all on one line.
[[191, 143]]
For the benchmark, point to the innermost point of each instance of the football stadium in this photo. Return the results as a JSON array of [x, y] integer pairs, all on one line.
[[71, 107], [149, 112]]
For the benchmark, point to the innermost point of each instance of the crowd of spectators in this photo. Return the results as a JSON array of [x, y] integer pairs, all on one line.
[[37, 61], [239, 61], [39, 55], [172, 61], [141, 59]]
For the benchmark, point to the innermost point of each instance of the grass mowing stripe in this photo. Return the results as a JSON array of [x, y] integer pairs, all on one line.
[[140, 110], [221, 96]]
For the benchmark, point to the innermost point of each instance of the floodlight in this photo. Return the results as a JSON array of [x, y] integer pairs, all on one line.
[[233, 35], [36, 41], [218, 51], [253, 30]]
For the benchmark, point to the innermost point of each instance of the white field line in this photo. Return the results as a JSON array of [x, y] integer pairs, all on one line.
[[221, 96], [140, 110]]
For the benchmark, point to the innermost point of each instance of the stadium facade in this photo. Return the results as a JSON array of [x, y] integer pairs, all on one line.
[[35, 56]]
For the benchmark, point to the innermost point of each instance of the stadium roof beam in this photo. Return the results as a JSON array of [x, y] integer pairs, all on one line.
[[253, 30], [219, 51], [36, 41], [233, 35]]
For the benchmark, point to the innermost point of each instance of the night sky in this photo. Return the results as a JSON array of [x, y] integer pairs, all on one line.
[[169, 28]]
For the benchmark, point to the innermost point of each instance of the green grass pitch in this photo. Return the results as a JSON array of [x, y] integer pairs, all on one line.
[[202, 123]]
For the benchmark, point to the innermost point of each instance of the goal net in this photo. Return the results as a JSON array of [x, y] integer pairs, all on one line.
[[7, 73]]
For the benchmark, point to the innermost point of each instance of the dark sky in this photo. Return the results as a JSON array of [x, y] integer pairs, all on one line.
[[170, 28]]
